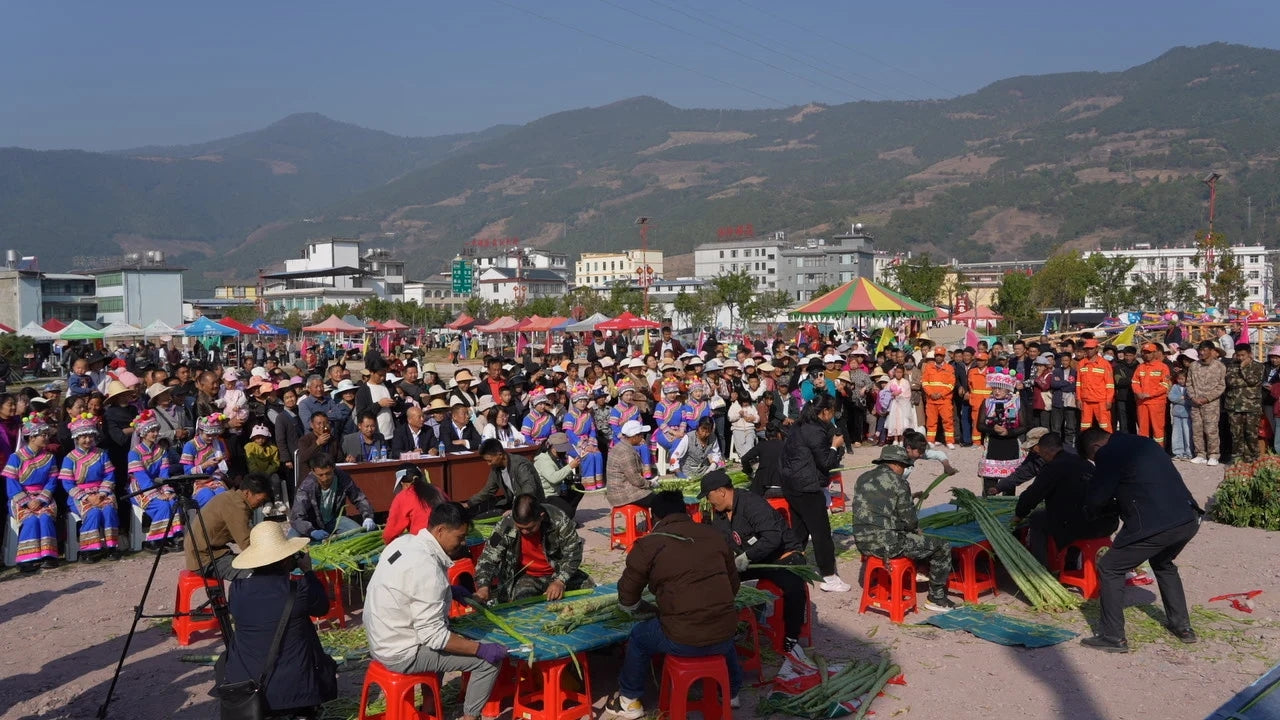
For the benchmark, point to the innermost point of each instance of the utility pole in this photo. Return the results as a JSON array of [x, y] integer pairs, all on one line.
[[645, 272], [1212, 181]]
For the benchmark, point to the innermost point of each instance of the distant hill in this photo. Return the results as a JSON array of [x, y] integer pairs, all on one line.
[[197, 200], [1018, 168]]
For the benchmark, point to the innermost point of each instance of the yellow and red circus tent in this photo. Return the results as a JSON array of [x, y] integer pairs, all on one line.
[[861, 297]]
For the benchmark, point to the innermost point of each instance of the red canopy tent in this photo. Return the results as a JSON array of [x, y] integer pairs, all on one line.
[[506, 323], [5, 328], [237, 326], [461, 322], [53, 325], [394, 325], [627, 321], [333, 324], [375, 326], [541, 324]]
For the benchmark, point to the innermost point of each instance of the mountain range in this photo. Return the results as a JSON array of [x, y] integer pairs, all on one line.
[[1016, 169]]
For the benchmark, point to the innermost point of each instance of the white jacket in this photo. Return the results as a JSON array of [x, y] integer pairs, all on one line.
[[407, 603]]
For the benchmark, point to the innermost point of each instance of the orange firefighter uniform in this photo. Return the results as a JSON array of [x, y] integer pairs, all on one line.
[[939, 386]]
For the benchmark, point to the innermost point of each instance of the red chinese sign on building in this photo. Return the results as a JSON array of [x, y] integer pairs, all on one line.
[[494, 242], [736, 231]]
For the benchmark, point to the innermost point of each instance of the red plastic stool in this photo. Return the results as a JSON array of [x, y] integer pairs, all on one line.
[[185, 621], [541, 694], [694, 510], [749, 647], [627, 514], [399, 688], [679, 674], [891, 588], [502, 693], [332, 581], [775, 627], [836, 488], [1086, 577], [782, 506], [460, 571], [476, 551], [966, 577]]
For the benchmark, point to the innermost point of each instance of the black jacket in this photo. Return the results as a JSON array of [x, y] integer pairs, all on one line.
[[365, 403], [402, 441], [808, 458], [1062, 485], [756, 529], [524, 479], [289, 430], [760, 463], [1135, 477], [448, 435], [304, 675]]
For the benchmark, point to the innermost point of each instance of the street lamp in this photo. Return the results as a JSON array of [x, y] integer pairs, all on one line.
[[1212, 181], [643, 222]]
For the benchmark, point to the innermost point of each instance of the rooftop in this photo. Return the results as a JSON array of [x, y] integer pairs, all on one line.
[[321, 272]]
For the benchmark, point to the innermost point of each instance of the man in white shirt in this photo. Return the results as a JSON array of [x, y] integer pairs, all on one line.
[[406, 610]]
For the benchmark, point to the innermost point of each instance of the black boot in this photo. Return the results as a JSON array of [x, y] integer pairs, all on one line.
[[91, 558]]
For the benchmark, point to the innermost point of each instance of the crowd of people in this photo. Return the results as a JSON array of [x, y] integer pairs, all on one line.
[[266, 439]]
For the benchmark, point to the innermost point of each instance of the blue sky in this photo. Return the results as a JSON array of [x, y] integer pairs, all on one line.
[[109, 75]]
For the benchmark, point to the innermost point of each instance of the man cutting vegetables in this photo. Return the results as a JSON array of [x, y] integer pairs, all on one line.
[[533, 551]]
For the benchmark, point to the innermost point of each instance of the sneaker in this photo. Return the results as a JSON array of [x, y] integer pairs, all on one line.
[[951, 446], [939, 605], [833, 584], [795, 653], [1105, 644], [1137, 578], [1212, 461], [624, 707], [1199, 460], [1186, 635], [921, 577], [734, 702]]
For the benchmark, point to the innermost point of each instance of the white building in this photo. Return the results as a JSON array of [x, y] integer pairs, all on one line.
[[524, 258], [435, 292], [758, 257], [798, 269], [506, 285], [333, 271], [1179, 263], [599, 270], [140, 290]]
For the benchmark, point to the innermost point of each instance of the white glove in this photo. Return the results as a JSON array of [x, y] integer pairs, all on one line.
[[369, 525], [741, 562], [654, 482]]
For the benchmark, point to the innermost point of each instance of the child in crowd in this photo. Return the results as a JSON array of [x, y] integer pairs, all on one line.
[[884, 401], [262, 455], [1180, 416], [231, 397]]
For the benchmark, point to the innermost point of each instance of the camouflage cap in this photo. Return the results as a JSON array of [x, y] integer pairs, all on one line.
[[894, 454]]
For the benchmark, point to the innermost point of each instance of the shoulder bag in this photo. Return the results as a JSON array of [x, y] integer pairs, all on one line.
[[247, 699]]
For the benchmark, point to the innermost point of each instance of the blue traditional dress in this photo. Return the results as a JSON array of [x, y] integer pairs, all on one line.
[[86, 473], [146, 467], [201, 456], [537, 426], [33, 476], [581, 429], [621, 414], [669, 419], [693, 412]]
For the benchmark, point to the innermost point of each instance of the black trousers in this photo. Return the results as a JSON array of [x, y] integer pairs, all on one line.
[[1161, 550], [795, 597], [809, 517]]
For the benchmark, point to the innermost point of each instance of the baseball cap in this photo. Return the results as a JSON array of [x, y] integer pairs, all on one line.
[[1033, 437], [1091, 343], [714, 480], [1150, 347], [559, 442], [631, 428]]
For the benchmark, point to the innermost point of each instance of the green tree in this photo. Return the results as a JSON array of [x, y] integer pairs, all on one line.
[[1110, 282], [623, 297], [1158, 293], [1013, 301], [734, 290], [543, 306], [920, 279], [244, 313], [698, 308], [766, 306], [823, 289], [476, 307], [1063, 283], [292, 322], [1223, 275], [588, 299]]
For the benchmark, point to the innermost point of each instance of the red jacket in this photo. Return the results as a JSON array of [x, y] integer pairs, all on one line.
[[407, 514]]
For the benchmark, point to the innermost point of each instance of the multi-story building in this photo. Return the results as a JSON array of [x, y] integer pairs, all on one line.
[[140, 290], [333, 271], [1179, 263], [507, 285], [523, 258], [435, 292], [775, 263], [599, 270]]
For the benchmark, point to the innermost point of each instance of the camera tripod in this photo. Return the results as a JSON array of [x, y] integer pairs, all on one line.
[[217, 600]]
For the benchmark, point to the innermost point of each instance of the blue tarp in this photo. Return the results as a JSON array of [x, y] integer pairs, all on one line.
[[1001, 629]]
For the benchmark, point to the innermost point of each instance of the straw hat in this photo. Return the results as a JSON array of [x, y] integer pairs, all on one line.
[[156, 390], [438, 404], [115, 387], [463, 375], [267, 545]]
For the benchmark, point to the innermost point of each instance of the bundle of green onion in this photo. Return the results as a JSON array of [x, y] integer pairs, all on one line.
[[856, 681], [348, 552], [1038, 584]]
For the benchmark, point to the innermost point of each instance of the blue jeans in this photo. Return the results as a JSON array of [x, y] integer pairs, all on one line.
[[964, 425], [647, 640], [1181, 436]]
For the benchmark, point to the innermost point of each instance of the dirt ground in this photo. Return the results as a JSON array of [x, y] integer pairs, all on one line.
[[61, 633]]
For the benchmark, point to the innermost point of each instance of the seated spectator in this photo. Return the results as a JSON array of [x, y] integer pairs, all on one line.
[[322, 496]]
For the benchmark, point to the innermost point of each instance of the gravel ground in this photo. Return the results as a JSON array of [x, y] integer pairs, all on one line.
[[61, 633]]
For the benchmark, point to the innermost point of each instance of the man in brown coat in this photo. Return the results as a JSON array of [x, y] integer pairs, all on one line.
[[624, 481], [691, 572], [225, 520]]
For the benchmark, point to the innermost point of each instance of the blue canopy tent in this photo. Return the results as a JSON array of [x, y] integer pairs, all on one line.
[[204, 327], [265, 328]]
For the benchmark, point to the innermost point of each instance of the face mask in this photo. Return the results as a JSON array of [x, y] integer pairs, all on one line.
[[1109, 357]]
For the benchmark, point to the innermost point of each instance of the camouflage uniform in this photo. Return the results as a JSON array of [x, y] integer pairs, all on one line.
[[1205, 381], [885, 525], [501, 559], [1244, 408]]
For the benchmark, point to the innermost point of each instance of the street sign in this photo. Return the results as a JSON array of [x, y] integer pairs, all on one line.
[[462, 277]]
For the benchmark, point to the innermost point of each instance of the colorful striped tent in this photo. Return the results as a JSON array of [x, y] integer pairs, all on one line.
[[860, 296]]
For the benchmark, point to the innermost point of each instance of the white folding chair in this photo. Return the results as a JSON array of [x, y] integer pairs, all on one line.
[[11, 543], [135, 527], [73, 537]]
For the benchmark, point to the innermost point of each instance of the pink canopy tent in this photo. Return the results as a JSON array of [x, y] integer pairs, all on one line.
[[333, 324], [394, 325], [505, 323], [461, 322]]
